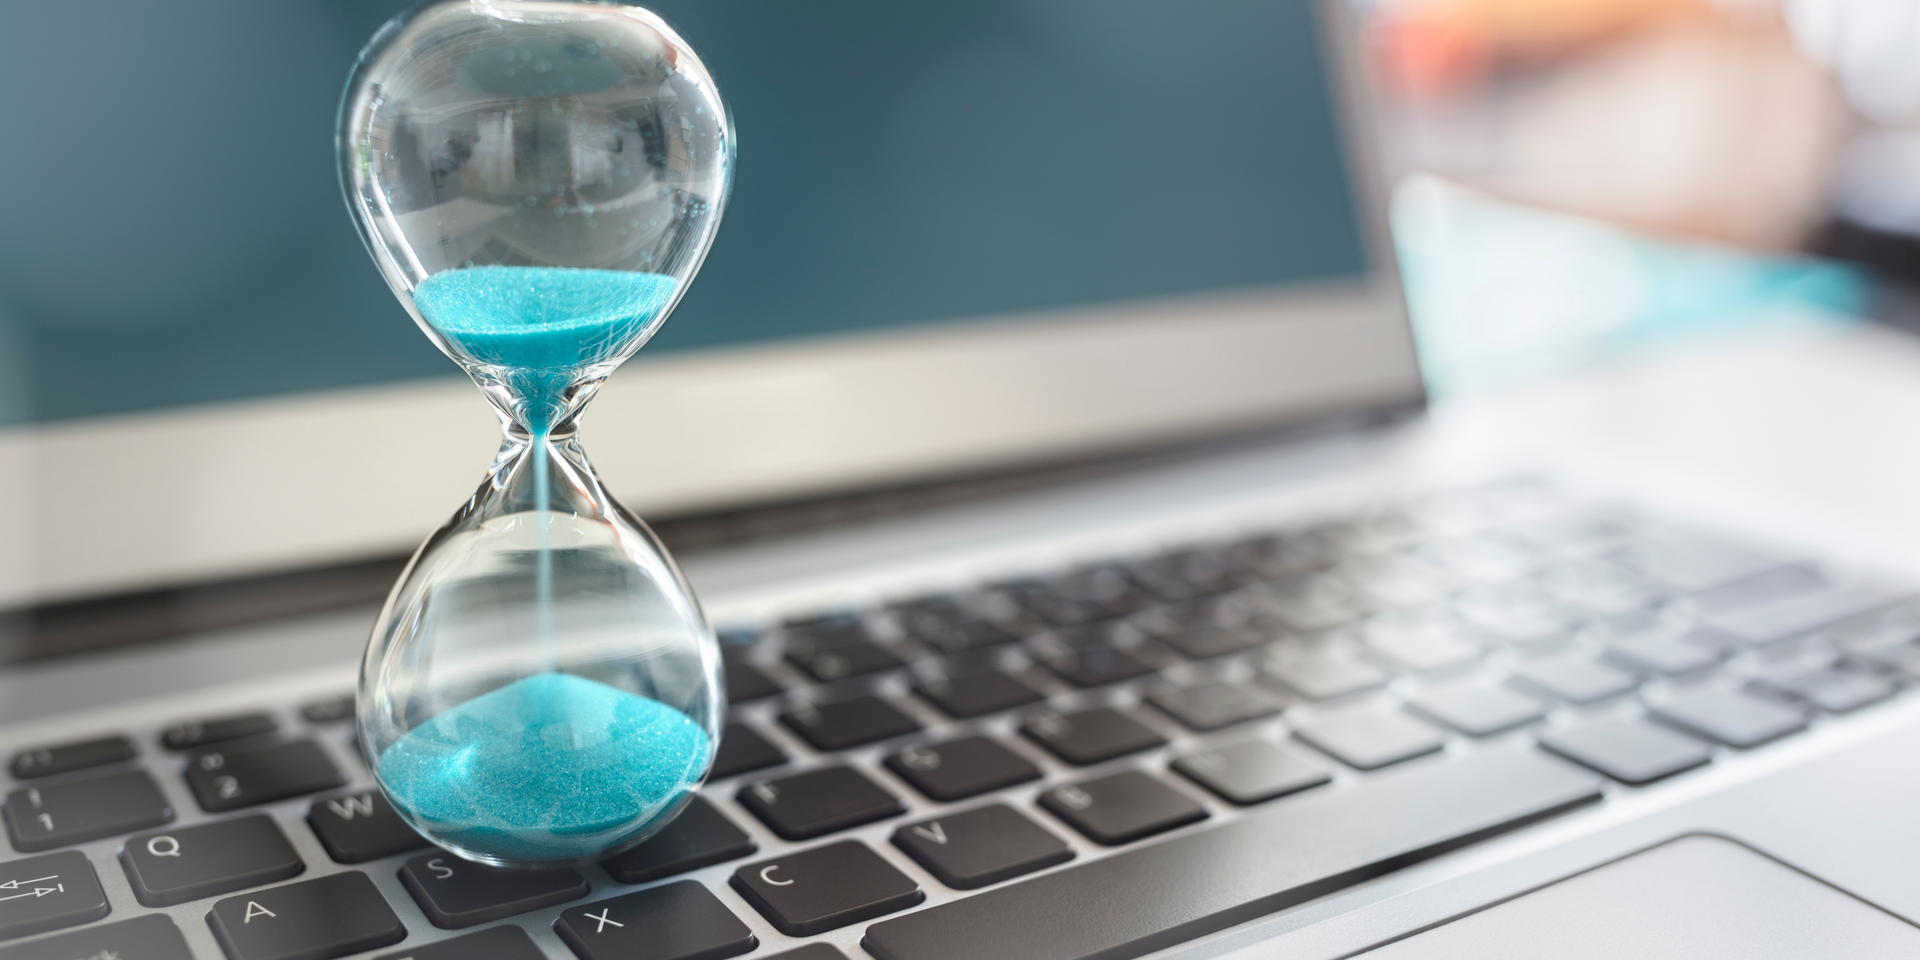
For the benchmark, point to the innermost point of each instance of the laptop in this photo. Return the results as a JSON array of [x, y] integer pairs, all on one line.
[[1045, 439]]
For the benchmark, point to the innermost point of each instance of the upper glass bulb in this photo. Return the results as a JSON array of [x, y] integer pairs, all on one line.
[[538, 182]]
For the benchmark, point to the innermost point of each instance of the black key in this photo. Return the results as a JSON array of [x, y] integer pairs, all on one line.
[[1090, 736], [980, 847], [1165, 893], [494, 943], [1206, 640], [855, 659], [46, 893], [456, 893], [68, 757], [678, 921], [152, 937], [1096, 665], [1210, 706], [1282, 555], [1730, 717], [331, 710], [812, 951], [942, 623], [189, 734], [231, 779], [961, 768], [848, 723], [59, 814], [1323, 676], [1370, 739], [208, 859], [747, 682], [742, 750], [1630, 751], [698, 837], [310, 920], [1121, 808], [1477, 710], [976, 694], [813, 891], [1252, 771], [360, 827], [1185, 574], [1575, 679], [818, 802], [831, 630]]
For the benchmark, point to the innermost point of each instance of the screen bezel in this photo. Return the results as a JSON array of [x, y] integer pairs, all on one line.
[[225, 490]]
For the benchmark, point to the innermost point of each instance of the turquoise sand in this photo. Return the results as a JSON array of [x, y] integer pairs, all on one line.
[[540, 325], [549, 767]]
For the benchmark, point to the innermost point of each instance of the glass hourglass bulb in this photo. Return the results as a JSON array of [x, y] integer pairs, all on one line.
[[538, 181]]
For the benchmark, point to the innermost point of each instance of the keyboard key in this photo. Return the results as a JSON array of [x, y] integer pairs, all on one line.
[[1667, 656], [832, 630], [812, 951], [1252, 771], [1575, 679], [360, 827], [848, 723], [208, 859], [1090, 736], [1630, 751], [1838, 691], [1900, 659], [1420, 643], [1097, 665], [68, 757], [1185, 574], [456, 894], [189, 734], [1694, 563], [1121, 808], [1310, 602], [47, 893], [1210, 706], [331, 710], [310, 920], [818, 802], [813, 891], [231, 779], [961, 768], [1319, 675], [970, 850], [678, 921], [59, 814], [505, 942], [1730, 717], [1370, 739], [856, 659], [1477, 710], [747, 682], [1143, 900], [743, 750], [976, 694], [152, 937], [700, 836], [946, 625], [1771, 623], [1207, 640], [1517, 613]]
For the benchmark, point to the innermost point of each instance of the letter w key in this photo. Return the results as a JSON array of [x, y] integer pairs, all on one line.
[[361, 826]]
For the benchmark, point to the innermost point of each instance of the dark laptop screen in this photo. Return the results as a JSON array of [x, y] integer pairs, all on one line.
[[175, 233]]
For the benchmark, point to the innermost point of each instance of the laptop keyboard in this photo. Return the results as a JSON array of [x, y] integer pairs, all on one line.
[[1106, 760]]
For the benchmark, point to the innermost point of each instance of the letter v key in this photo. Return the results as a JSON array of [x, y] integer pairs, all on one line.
[[933, 831]]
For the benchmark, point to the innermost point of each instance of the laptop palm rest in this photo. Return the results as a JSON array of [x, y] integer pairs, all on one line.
[[1697, 898]]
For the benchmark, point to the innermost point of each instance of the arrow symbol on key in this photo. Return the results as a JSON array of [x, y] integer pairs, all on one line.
[[38, 892], [17, 884], [933, 831]]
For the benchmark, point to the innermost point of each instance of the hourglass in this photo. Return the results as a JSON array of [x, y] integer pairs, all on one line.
[[539, 182]]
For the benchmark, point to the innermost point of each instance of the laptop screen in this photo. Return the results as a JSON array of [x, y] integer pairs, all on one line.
[[177, 253]]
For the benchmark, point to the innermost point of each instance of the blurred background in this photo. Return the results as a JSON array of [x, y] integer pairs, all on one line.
[[1583, 178]]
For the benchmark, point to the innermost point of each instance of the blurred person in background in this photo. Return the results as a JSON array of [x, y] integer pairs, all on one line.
[[1774, 125]]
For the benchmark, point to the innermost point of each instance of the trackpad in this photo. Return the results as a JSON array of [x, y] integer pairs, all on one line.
[[1697, 898]]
